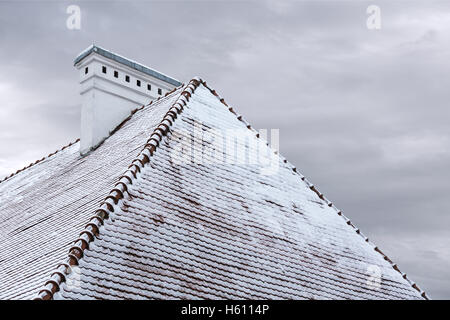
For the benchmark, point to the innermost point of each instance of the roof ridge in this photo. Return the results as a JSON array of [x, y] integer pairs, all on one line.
[[322, 197], [91, 230], [40, 160]]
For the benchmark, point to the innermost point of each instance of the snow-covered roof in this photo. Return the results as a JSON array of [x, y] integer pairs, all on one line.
[[140, 224]]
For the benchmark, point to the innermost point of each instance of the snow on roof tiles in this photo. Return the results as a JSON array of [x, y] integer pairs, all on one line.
[[170, 230]]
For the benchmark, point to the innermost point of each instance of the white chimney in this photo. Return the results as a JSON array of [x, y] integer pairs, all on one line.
[[111, 87]]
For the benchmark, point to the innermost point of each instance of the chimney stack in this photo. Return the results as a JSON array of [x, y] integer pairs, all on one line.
[[111, 87]]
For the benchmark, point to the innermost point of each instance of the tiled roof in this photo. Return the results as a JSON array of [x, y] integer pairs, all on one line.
[[175, 230]]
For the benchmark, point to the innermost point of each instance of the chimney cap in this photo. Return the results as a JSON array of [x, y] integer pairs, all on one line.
[[130, 63]]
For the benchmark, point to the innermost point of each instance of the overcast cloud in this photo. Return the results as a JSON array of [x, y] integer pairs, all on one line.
[[362, 113]]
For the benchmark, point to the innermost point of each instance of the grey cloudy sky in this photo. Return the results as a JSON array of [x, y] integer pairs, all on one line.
[[362, 113]]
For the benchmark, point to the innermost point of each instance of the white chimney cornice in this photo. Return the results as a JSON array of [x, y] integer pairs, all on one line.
[[111, 87]]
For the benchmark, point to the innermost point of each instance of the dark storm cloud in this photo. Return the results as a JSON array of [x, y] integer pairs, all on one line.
[[363, 114]]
